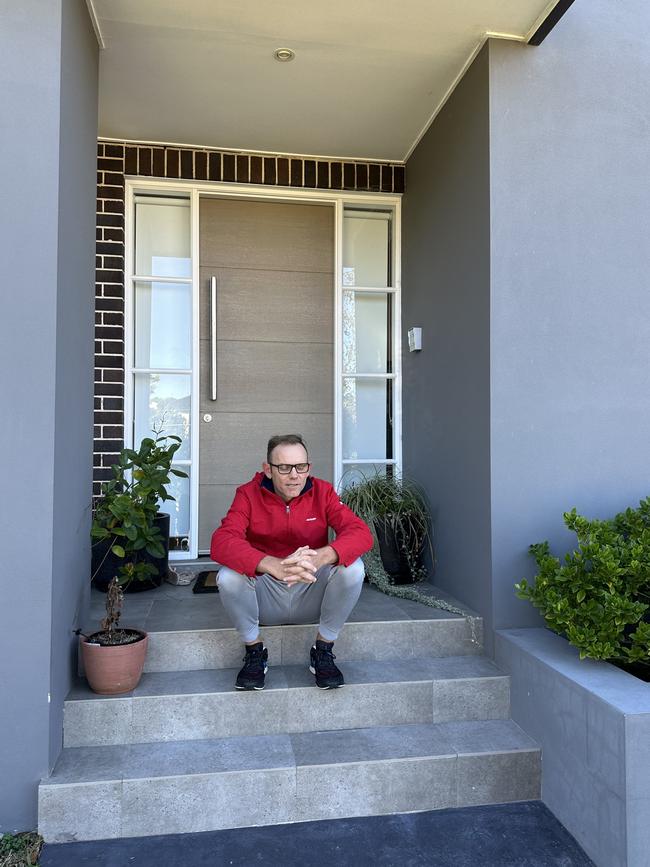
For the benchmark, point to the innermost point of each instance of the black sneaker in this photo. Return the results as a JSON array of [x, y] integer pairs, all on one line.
[[322, 665], [255, 667]]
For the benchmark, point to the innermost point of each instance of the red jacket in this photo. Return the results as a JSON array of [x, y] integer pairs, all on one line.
[[260, 523]]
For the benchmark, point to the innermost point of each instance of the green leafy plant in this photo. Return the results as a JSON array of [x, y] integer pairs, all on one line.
[[124, 517], [125, 512], [599, 597]]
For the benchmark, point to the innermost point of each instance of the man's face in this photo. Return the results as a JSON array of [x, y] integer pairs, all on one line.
[[288, 486]]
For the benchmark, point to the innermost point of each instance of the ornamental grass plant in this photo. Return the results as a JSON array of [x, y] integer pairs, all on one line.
[[388, 500], [397, 504]]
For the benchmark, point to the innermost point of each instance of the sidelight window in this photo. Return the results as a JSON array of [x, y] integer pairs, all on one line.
[[368, 371], [161, 345]]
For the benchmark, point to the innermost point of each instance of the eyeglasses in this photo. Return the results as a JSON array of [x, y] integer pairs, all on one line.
[[285, 469]]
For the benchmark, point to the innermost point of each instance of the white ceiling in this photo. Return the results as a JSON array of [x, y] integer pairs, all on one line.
[[367, 77]]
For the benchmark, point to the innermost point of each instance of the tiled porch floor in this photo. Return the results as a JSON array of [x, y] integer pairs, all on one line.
[[171, 608]]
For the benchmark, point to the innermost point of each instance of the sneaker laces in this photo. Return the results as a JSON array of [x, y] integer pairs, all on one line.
[[325, 660], [254, 660]]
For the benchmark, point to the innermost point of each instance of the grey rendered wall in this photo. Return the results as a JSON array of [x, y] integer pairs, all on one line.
[[48, 84], [570, 281], [446, 290], [73, 444]]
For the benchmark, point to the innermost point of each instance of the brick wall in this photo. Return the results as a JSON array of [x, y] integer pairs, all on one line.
[[114, 161], [109, 311]]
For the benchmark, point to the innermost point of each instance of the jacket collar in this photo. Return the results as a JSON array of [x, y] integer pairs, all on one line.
[[268, 485]]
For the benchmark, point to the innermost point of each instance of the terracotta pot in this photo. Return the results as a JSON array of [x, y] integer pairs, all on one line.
[[113, 670]]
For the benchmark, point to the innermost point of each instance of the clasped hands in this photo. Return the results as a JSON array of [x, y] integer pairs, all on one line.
[[301, 566]]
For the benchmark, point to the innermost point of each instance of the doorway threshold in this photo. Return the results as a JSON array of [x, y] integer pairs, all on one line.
[[202, 560]]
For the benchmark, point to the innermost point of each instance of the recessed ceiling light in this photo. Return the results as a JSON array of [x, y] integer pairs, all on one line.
[[284, 55]]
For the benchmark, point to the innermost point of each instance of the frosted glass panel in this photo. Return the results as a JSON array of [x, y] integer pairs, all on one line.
[[365, 332], [162, 238], [364, 418], [163, 325], [365, 250], [163, 401], [178, 510], [355, 473]]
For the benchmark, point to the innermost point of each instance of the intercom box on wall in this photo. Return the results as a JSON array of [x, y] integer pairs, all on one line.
[[415, 339]]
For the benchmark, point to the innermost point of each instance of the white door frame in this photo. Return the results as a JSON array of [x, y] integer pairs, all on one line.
[[338, 200]]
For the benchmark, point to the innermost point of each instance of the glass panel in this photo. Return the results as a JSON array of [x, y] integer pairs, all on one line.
[[163, 325], [162, 238], [366, 429], [355, 473], [365, 249], [366, 332], [162, 401], [179, 508]]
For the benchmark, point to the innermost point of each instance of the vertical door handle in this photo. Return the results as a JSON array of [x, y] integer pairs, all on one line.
[[213, 338]]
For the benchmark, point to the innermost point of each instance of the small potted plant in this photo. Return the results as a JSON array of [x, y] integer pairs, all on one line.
[[396, 511], [133, 547], [113, 658]]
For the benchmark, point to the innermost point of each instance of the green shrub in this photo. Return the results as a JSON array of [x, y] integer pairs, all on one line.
[[599, 596]]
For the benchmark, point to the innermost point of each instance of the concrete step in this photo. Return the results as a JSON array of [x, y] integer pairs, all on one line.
[[196, 649], [204, 704], [146, 789], [190, 632]]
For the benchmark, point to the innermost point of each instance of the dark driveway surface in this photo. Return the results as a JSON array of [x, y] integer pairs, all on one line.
[[509, 835]]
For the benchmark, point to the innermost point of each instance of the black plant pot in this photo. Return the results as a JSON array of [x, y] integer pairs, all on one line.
[[106, 564], [393, 557]]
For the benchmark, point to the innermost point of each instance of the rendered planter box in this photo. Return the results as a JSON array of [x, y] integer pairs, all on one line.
[[592, 721]]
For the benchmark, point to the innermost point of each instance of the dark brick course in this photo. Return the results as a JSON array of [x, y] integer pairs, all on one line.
[[158, 163], [270, 171], [228, 167], [215, 167], [256, 170], [243, 175], [283, 172]]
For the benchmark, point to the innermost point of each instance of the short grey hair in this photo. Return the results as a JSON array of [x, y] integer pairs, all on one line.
[[284, 440]]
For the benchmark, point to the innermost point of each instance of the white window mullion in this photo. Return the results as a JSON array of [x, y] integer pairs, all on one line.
[[369, 461], [368, 375], [396, 278], [196, 366], [338, 342], [147, 278]]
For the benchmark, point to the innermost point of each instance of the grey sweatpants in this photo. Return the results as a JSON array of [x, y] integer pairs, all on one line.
[[329, 601]]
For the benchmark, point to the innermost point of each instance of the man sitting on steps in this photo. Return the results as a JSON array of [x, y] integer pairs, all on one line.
[[277, 564]]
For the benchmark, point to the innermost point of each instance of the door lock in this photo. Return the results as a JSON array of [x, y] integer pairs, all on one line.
[[207, 417]]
